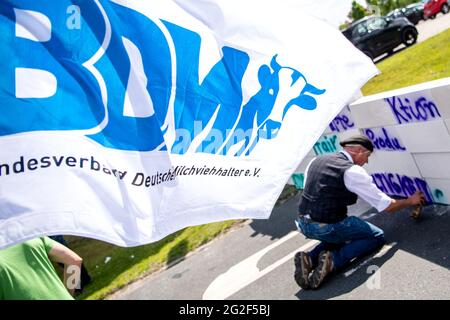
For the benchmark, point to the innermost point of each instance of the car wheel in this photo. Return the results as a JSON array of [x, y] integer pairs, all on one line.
[[409, 37], [444, 8]]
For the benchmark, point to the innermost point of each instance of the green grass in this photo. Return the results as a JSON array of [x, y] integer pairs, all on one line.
[[112, 267], [422, 62]]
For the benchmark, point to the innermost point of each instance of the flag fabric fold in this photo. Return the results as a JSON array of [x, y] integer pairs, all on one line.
[[125, 121]]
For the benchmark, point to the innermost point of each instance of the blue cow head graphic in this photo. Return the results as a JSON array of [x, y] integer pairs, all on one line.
[[236, 131]]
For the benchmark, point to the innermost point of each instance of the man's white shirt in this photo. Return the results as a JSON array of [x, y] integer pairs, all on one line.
[[358, 181]]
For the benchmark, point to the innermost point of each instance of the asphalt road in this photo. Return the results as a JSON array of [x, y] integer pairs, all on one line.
[[426, 29], [255, 260]]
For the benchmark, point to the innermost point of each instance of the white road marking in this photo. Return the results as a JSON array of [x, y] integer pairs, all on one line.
[[246, 272], [379, 254]]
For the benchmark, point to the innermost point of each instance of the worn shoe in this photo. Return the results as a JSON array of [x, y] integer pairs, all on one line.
[[324, 268], [303, 267]]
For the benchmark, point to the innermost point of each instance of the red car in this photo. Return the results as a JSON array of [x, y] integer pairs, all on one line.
[[433, 7]]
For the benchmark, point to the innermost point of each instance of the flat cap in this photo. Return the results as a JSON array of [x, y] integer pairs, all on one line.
[[358, 139]]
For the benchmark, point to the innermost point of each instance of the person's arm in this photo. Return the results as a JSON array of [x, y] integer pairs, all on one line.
[[358, 181], [72, 265], [417, 198]]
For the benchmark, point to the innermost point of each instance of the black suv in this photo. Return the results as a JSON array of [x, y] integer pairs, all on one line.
[[412, 12], [377, 35]]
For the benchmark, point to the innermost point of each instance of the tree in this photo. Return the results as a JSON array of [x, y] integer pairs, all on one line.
[[357, 12], [384, 6]]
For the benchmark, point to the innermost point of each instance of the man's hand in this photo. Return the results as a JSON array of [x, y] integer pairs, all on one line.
[[418, 198]]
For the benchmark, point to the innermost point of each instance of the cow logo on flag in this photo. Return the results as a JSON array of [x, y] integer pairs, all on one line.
[[126, 121]]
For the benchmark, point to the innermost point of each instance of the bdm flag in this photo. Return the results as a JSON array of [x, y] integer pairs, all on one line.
[[125, 121]]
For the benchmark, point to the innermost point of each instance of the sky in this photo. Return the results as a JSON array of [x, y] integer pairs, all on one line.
[[333, 12]]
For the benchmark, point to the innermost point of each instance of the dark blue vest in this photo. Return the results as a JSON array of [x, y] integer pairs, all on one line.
[[325, 197]]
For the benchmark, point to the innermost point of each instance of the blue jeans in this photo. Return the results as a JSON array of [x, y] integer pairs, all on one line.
[[347, 239]]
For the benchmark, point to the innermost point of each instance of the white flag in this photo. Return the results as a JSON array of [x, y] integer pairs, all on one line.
[[125, 121]]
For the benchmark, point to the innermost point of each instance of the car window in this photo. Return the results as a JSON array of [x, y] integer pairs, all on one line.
[[376, 24], [348, 33], [359, 30]]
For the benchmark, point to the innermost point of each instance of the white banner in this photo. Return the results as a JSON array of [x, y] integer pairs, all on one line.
[[125, 121]]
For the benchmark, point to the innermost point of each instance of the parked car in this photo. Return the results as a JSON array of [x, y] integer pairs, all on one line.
[[418, 8], [377, 35], [413, 14], [433, 7]]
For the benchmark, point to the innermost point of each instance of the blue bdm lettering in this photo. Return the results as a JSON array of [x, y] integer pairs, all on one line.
[[395, 184], [92, 67], [384, 141], [439, 196], [406, 112]]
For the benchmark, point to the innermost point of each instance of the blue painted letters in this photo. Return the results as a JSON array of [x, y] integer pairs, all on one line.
[[406, 112], [342, 121], [327, 144], [395, 184], [111, 73]]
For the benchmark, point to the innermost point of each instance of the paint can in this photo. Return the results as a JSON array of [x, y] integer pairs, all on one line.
[[416, 212]]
